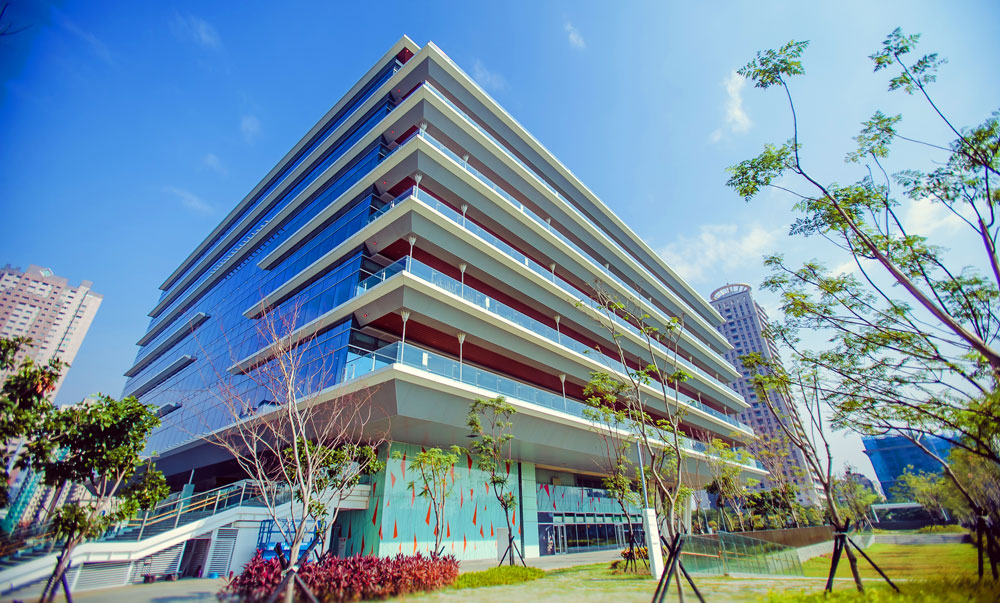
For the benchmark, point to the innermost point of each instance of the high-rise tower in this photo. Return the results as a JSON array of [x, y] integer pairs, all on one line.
[[35, 303], [745, 328]]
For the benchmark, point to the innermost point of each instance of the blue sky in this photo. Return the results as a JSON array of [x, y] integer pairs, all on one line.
[[128, 129]]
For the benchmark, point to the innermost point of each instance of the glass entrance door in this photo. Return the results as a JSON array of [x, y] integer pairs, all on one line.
[[560, 539], [620, 535]]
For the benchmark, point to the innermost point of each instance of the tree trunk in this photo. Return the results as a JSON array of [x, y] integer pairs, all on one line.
[[52, 587], [510, 536], [293, 562], [853, 560]]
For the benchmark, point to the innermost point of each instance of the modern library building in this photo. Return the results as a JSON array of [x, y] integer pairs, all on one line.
[[436, 253]]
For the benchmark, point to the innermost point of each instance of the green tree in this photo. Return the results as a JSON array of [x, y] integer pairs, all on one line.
[[724, 465], [648, 393], [433, 466], [490, 423], [291, 436], [929, 490], [97, 444], [617, 440], [855, 498], [773, 452], [24, 404], [912, 333], [769, 379]]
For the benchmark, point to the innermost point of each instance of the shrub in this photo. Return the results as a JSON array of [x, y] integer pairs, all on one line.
[[495, 576], [639, 552], [945, 529], [618, 567], [935, 590], [335, 579]]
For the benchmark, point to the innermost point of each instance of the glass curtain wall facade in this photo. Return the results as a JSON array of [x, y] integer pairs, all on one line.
[[892, 455], [418, 196]]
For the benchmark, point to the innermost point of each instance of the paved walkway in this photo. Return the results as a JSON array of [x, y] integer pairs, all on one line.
[[194, 589], [548, 562]]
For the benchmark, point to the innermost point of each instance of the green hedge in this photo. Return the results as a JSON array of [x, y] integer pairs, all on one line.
[[495, 576]]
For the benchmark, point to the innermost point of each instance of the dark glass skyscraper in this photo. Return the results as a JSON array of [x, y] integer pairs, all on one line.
[[892, 454]]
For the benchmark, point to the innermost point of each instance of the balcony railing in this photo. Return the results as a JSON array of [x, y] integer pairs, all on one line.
[[534, 266], [362, 362], [443, 281], [560, 196]]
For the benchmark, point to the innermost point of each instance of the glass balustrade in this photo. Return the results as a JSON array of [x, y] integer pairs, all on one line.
[[544, 224], [456, 287], [361, 362], [430, 87], [577, 295]]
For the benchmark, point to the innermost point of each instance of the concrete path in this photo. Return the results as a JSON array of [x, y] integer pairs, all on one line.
[[548, 562], [194, 589]]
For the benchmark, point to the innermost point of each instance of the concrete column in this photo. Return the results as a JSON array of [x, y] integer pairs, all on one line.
[[652, 530], [686, 513]]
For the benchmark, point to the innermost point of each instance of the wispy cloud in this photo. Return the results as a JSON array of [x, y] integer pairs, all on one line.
[[718, 247], [737, 120], [925, 217], [196, 30], [250, 126], [95, 44], [490, 80], [575, 39], [189, 200], [212, 162]]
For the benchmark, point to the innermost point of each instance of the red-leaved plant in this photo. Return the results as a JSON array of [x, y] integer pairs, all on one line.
[[335, 579]]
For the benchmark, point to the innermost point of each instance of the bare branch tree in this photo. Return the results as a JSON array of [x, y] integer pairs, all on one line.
[[303, 442]]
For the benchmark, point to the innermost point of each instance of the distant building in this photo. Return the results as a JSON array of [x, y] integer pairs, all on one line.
[[744, 328], [865, 481], [892, 454], [37, 304]]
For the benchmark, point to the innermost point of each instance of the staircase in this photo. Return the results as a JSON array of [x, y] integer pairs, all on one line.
[[28, 557], [33, 544]]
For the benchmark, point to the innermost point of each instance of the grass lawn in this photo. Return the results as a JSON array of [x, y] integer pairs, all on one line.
[[594, 583], [903, 561]]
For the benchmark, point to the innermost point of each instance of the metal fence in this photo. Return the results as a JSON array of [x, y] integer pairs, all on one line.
[[726, 553]]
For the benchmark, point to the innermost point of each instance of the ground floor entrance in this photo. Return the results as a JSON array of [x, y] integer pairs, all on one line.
[[562, 533]]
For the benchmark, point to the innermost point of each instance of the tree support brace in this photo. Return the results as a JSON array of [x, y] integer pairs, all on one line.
[[840, 544], [673, 563], [510, 544]]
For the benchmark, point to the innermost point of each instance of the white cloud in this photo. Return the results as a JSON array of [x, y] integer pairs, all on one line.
[[737, 120], [250, 126], [925, 217], [845, 268], [189, 200], [96, 45], [197, 30], [575, 39], [212, 162], [718, 247], [489, 80]]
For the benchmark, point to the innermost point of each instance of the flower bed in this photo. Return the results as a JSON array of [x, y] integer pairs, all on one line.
[[349, 578]]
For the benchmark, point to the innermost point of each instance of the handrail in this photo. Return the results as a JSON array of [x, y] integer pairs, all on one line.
[[629, 289], [574, 209], [244, 491], [428, 274]]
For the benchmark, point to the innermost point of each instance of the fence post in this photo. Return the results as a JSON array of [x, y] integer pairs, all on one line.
[[142, 526], [215, 507], [242, 492]]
